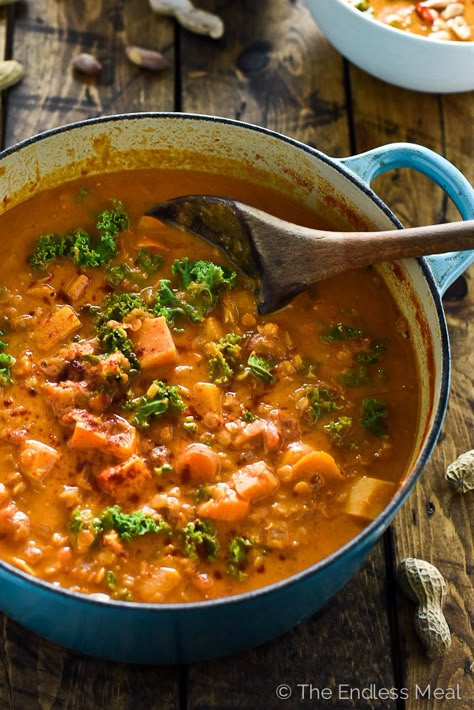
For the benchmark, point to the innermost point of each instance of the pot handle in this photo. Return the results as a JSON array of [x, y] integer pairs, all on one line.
[[445, 267]]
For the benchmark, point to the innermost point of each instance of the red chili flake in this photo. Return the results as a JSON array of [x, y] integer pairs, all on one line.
[[425, 13]]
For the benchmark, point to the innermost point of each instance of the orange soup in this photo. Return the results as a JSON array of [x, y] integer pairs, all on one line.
[[160, 440], [437, 19]]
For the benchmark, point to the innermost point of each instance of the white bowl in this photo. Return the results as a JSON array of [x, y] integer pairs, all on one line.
[[396, 56]]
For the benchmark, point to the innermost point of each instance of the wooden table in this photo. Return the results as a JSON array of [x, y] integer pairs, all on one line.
[[275, 69]]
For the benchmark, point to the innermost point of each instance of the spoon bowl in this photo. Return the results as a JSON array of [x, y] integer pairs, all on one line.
[[285, 258]]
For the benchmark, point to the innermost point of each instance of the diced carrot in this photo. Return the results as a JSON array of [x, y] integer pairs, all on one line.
[[254, 481], [317, 463], [114, 435], [198, 463], [225, 504], [56, 328], [37, 459], [76, 286], [154, 343], [127, 481], [368, 497], [207, 398]]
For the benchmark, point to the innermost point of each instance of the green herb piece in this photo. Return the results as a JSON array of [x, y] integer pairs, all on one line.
[[148, 263], [166, 468], [322, 400], [200, 540], [356, 376], [201, 494], [374, 415], [341, 332], [79, 246], [248, 416], [110, 581], [260, 368], [84, 519], [6, 363], [116, 306], [222, 365], [130, 525], [115, 338], [159, 399], [82, 194], [171, 306], [338, 429], [238, 555], [118, 274], [371, 356], [189, 425]]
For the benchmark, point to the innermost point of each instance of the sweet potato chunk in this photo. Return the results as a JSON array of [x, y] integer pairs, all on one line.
[[154, 344], [198, 463], [157, 582], [368, 498], [207, 398], [225, 504], [57, 327], [254, 481], [76, 286], [37, 459], [114, 435], [317, 463], [126, 481]]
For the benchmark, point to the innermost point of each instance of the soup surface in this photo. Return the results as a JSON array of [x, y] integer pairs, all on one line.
[[437, 19], [162, 442]]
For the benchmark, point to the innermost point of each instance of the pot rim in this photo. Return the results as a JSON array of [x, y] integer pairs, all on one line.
[[384, 518]]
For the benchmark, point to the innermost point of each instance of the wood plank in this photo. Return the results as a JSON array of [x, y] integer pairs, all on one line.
[[273, 68], [35, 673], [47, 37], [434, 524]]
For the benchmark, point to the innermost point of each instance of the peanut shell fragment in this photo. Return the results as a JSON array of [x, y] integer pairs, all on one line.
[[147, 58], [460, 473], [87, 64], [11, 72], [191, 18], [424, 584]]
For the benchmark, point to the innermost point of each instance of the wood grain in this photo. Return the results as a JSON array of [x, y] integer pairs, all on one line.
[[35, 673], [267, 70], [47, 37], [433, 525]]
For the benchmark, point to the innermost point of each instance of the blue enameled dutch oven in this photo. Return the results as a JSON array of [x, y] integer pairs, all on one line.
[[172, 633]]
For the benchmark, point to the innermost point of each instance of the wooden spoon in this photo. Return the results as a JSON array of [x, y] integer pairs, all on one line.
[[286, 258]]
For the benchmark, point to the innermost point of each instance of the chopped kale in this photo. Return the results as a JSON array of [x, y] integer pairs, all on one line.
[[260, 368], [222, 365], [201, 494], [248, 416], [200, 540], [6, 362], [338, 429], [238, 552], [148, 263], [374, 415], [322, 400], [202, 282], [116, 306], [79, 246], [159, 399], [115, 338], [171, 306], [356, 376], [372, 355], [341, 332], [130, 525]]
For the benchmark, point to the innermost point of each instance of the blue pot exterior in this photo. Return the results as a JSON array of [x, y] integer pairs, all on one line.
[[168, 634]]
